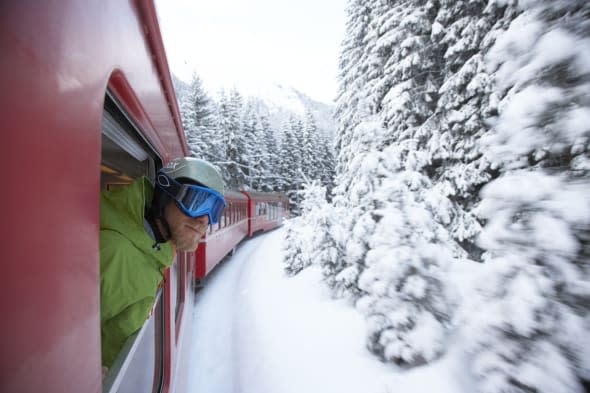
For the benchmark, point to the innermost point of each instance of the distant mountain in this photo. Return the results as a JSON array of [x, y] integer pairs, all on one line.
[[278, 101], [281, 102]]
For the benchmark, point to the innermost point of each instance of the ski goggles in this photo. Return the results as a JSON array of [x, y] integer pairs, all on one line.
[[194, 201]]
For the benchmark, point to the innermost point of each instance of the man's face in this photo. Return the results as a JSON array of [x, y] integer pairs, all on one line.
[[186, 231]]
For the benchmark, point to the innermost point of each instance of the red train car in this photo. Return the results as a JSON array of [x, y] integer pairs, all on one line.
[[247, 212], [224, 236], [87, 104], [266, 210]]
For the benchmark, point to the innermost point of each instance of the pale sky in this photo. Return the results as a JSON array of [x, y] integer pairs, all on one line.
[[294, 42]]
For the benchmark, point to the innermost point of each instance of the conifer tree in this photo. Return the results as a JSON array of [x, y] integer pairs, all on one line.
[[352, 77], [224, 127], [258, 165], [236, 163], [197, 113], [272, 158], [537, 231], [464, 32], [311, 165], [296, 259], [289, 164]]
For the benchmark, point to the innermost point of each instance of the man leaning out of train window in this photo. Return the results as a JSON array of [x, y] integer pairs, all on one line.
[[141, 228]]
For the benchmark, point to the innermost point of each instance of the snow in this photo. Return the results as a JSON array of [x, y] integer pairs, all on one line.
[[258, 330]]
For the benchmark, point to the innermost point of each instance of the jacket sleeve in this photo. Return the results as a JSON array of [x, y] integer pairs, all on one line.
[[115, 331], [127, 291]]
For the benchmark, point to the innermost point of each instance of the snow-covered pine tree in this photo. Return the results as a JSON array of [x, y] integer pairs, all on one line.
[[269, 144], [303, 246], [236, 164], [354, 195], [296, 126], [533, 310], [463, 32], [288, 164], [224, 127], [309, 156], [251, 146], [527, 323], [296, 258], [352, 77], [198, 118], [397, 78], [357, 130], [403, 290], [258, 164], [326, 169]]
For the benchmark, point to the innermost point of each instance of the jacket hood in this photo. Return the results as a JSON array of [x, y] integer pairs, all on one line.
[[123, 211]]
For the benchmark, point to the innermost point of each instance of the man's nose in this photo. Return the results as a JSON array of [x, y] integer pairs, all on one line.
[[203, 220]]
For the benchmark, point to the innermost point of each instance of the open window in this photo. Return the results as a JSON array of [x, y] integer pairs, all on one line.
[[125, 156]]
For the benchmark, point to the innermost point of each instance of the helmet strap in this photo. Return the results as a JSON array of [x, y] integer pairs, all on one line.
[[154, 215]]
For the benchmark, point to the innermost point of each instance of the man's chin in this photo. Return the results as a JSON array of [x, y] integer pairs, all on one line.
[[187, 247]]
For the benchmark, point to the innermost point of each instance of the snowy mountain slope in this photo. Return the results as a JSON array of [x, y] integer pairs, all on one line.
[[278, 101], [281, 101]]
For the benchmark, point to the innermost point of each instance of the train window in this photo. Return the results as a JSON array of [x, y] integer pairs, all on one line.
[[179, 273], [176, 283], [125, 156]]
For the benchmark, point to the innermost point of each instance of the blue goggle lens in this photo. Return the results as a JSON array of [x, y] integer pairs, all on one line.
[[194, 201]]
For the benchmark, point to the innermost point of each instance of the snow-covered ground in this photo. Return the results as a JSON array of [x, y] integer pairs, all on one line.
[[259, 331]]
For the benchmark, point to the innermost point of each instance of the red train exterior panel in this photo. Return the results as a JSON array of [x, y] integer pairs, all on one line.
[[225, 236], [266, 210], [58, 58]]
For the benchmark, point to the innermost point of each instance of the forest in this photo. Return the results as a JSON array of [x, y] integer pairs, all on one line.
[[463, 138], [235, 134]]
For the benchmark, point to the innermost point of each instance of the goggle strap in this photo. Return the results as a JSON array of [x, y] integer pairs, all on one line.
[[168, 185]]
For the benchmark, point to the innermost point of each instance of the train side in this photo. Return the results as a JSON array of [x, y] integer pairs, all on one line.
[[88, 105], [223, 237], [247, 213], [266, 210]]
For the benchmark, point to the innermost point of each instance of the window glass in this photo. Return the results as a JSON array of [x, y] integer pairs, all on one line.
[[176, 272]]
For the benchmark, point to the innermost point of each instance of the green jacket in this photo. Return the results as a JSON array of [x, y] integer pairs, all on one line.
[[130, 268]]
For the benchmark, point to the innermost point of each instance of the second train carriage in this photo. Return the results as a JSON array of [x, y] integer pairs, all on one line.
[[266, 210], [223, 237]]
